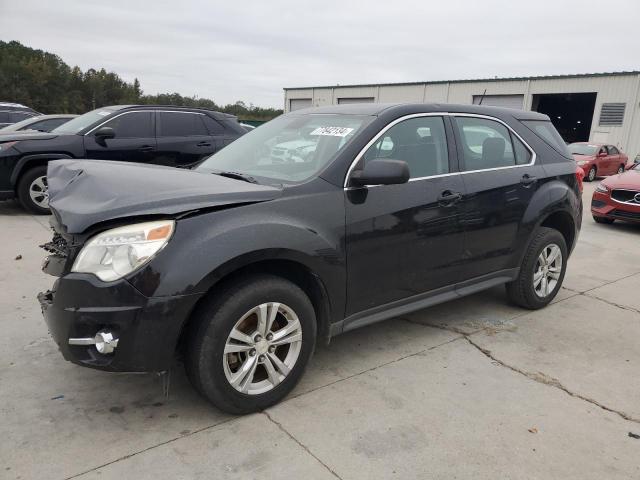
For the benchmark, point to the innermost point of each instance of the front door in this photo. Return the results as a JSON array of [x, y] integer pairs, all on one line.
[[404, 240], [134, 139], [500, 179]]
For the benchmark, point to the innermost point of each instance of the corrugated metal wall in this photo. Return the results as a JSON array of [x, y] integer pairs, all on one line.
[[614, 88]]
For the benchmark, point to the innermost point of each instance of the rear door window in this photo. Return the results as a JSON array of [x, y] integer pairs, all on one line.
[[181, 124], [485, 144], [613, 150]]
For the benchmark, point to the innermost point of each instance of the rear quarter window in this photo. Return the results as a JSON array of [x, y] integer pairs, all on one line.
[[548, 133]]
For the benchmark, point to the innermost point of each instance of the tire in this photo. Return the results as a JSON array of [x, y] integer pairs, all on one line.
[[523, 291], [620, 169], [33, 181], [591, 176], [603, 220], [211, 370]]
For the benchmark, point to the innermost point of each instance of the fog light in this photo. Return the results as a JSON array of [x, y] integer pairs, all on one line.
[[104, 341]]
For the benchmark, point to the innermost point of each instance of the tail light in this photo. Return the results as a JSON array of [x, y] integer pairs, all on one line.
[[579, 177]]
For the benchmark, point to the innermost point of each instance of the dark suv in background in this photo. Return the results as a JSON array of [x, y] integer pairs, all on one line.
[[172, 136], [318, 222], [11, 113]]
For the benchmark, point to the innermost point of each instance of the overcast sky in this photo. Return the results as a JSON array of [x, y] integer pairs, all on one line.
[[250, 50]]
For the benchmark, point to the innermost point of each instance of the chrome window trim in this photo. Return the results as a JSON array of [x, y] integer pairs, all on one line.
[[138, 111], [440, 114]]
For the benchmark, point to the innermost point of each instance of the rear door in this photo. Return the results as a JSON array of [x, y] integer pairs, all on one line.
[[500, 178], [134, 139], [614, 158], [183, 138], [404, 240]]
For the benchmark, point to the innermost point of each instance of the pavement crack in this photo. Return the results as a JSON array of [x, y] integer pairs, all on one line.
[[609, 302], [537, 377], [395, 360], [301, 445], [171, 440], [550, 381]]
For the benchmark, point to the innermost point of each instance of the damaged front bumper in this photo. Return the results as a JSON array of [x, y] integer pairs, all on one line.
[[80, 306]]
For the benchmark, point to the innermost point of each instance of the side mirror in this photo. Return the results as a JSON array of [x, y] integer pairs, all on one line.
[[602, 154], [382, 171], [103, 133]]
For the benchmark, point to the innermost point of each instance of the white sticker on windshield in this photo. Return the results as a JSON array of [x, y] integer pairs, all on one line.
[[332, 131], [104, 113]]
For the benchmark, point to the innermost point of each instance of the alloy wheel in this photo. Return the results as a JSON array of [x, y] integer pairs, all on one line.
[[547, 270], [262, 348], [39, 192], [592, 174], [620, 169]]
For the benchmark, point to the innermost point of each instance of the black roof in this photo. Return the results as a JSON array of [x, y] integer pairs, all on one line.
[[376, 109]]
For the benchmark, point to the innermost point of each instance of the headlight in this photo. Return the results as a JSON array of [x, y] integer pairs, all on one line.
[[583, 162], [115, 253], [602, 188]]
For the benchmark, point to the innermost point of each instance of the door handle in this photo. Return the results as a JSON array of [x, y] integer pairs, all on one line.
[[527, 180], [147, 148], [449, 198], [203, 144]]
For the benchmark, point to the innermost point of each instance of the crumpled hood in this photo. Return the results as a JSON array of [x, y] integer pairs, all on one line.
[[85, 192]]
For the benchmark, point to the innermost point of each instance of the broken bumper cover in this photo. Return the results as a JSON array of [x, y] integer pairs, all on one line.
[[80, 305]]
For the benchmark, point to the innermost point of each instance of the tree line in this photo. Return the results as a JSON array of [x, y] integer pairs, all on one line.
[[44, 82]]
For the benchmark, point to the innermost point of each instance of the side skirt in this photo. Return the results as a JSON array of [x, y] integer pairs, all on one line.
[[423, 300]]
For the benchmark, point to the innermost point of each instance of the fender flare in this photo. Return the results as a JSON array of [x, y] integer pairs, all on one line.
[[22, 163], [554, 197]]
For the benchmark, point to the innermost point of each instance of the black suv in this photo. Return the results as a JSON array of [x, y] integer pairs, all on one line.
[[316, 223], [11, 113], [173, 136]]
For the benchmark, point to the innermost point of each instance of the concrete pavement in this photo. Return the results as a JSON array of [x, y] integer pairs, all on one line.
[[472, 388]]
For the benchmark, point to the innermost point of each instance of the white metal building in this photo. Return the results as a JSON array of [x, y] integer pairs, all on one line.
[[598, 107]]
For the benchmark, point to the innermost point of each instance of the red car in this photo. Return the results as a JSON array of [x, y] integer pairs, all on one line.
[[598, 159], [617, 198]]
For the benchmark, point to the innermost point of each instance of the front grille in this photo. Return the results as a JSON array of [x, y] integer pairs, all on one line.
[[625, 196], [625, 214]]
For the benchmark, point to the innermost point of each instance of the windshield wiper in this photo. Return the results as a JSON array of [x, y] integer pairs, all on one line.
[[237, 176]]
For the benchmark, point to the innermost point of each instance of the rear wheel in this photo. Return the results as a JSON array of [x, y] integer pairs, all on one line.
[[251, 343], [33, 191], [621, 169], [603, 220], [542, 270], [591, 176]]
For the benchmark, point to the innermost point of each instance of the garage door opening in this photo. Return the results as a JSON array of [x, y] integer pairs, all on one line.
[[571, 113]]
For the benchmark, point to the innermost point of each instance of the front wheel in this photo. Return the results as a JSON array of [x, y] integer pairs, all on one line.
[[542, 270], [251, 343], [591, 176], [33, 191]]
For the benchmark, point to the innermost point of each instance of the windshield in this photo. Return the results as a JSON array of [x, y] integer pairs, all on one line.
[[289, 149], [583, 149], [83, 121]]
